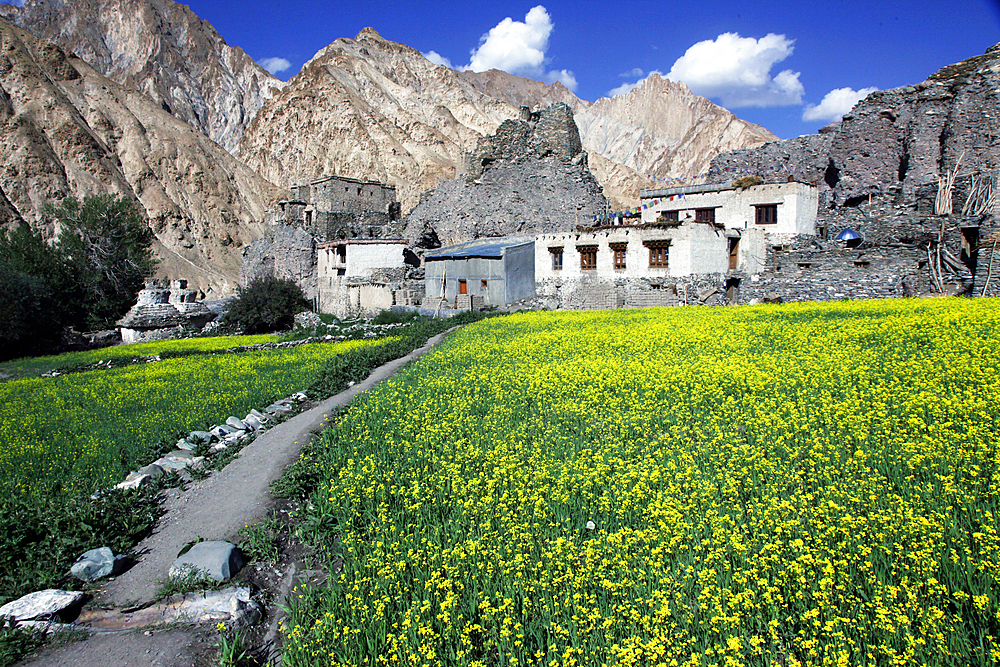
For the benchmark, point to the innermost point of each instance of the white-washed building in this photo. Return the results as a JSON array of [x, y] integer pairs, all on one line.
[[358, 277], [779, 210]]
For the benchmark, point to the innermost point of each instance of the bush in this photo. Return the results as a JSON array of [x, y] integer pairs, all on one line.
[[265, 305], [395, 316], [745, 182]]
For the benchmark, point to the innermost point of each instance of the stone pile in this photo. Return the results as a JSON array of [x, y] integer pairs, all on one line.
[[219, 438]]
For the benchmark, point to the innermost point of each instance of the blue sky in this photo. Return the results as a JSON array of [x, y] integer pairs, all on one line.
[[789, 66]]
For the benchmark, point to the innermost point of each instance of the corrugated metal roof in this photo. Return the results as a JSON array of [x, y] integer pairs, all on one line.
[[487, 251]]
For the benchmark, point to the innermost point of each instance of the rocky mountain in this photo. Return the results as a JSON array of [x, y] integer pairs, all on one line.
[[529, 177], [161, 48], [894, 144], [371, 108], [660, 128], [67, 130]]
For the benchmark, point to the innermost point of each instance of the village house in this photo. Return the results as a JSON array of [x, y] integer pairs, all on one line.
[[359, 277], [779, 210], [485, 272]]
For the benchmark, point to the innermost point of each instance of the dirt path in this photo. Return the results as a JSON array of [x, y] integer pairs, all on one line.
[[215, 508]]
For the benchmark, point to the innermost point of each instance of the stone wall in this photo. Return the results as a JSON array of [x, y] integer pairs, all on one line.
[[347, 195], [288, 252]]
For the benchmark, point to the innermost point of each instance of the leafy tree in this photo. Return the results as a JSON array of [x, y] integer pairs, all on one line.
[[30, 323], [266, 304], [109, 247]]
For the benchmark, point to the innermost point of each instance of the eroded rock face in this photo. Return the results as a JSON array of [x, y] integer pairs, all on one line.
[[530, 177], [67, 130], [163, 49], [369, 108], [894, 143]]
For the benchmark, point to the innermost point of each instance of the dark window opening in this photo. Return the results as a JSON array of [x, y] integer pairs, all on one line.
[[482, 285], [557, 258], [832, 175], [588, 257], [904, 165], [659, 254], [823, 232], [671, 216], [618, 253], [856, 201], [309, 217], [732, 290], [341, 272], [766, 214], [704, 214], [803, 266], [861, 264], [970, 242], [359, 191]]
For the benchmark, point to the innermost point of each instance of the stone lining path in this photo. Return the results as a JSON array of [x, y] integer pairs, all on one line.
[[215, 508]]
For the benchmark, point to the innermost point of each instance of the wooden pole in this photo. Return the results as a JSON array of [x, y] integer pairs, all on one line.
[[989, 274]]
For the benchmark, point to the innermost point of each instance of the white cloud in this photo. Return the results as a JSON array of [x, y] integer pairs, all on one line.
[[274, 65], [836, 103], [437, 59], [513, 46], [737, 71], [635, 73], [564, 76], [518, 47]]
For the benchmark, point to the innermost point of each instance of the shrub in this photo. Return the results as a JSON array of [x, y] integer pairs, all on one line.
[[395, 316], [266, 304], [745, 182]]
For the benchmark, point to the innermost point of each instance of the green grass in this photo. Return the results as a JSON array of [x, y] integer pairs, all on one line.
[[35, 366], [85, 430]]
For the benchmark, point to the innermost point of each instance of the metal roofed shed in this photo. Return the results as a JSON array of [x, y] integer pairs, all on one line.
[[490, 272]]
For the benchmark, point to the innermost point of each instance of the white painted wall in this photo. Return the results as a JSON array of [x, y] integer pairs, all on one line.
[[694, 249], [797, 203], [361, 259]]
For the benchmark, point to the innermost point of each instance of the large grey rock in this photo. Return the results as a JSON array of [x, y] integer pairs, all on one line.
[[217, 560], [152, 470], [96, 564], [133, 481], [236, 423], [42, 604], [200, 437]]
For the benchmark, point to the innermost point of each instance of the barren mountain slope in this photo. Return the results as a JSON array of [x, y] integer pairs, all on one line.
[[371, 108], [659, 128], [161, 48], [67, 130]]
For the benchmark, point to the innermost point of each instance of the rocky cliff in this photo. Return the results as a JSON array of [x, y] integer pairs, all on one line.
[[371, 108], [894, 143], [161, 48], [529, 177], [67, 130]]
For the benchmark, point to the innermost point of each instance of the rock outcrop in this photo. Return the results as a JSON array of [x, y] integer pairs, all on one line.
[[895, 143], [163, 49], [369, 108], [659, 128], [67, 130], [529, 177]]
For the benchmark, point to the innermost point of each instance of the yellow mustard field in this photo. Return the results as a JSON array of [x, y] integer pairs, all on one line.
[[806, 484], [84, 430]]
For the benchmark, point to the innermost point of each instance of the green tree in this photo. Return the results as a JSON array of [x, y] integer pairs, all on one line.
[[109, 247], [266, 304]]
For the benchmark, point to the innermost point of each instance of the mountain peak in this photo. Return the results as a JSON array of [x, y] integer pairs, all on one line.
[[370, 33]]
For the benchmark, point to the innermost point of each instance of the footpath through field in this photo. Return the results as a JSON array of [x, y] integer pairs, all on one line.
[[215, 508]]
